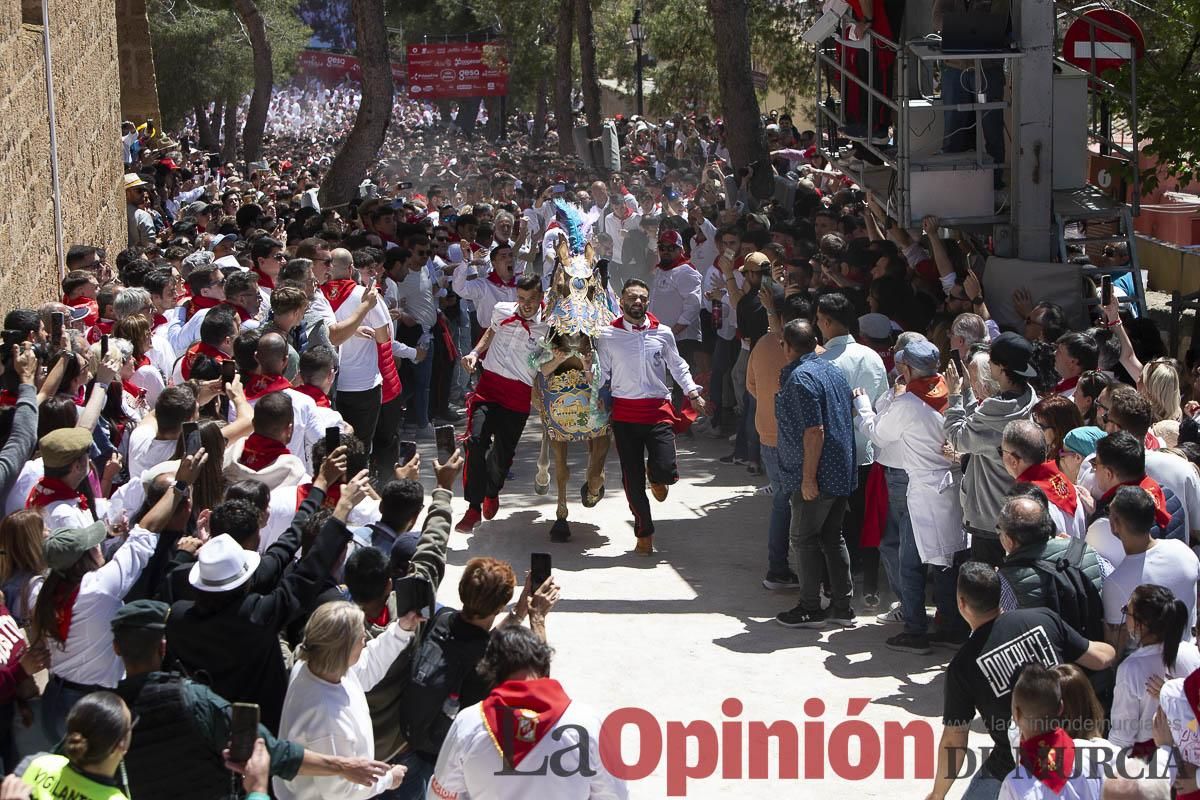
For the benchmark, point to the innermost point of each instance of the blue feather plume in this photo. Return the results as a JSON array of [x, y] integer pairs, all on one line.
[[572, 223]]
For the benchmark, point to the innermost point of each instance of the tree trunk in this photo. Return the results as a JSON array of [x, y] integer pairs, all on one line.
[[264, 78], [540, 109], [564, 117], [744, 135], [590, 79], [229, 147], [204, 130], [215, 122], [362, 145]]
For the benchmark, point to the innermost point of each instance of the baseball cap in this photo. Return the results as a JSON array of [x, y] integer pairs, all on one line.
[[403, 549], [671, 237], [1013, 352], [63, 447], [756, 262], [148, 615], [65, 546], [921, 355], [198, 207], [229, 238], [875, 326]]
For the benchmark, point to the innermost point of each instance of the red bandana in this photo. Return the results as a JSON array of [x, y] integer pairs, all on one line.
[[337, 292], [242, 313], [519, 714], [1151, 442], [194, 352], [64, 609], [264, 280], [102, 327], [932, 391], [1057, 488], [494, 278], [260, 452], [1050, 757], [158, 321], [136, 392], [195, 304], [92, 306], [332, 495], [651, 322], [1066, 385], [319, 397], [51, 490], [679, 262], [1162, 517], [259, 385], [518, 318]]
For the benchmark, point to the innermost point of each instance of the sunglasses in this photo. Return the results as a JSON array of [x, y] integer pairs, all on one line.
[[278, 257]]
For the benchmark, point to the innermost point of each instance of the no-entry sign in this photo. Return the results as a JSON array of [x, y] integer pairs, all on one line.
[[1091, 47]]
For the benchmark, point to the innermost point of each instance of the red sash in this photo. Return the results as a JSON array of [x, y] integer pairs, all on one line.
[[651, 411], [264, 280], [337, 292], [519, 714], [194, 352], [64, 609], [1066, 386], [1057, 488], [506, 392], [259, 385], [387, 368], [319, 397], [260, 452], [932, 391], [1050, 757], [51, 490], [332, 495], [1162, 517]]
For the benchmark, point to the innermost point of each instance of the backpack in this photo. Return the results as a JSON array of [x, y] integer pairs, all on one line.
[[1067, 591], [440, 666]]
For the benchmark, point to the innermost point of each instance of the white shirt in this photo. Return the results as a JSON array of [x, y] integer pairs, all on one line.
[[907, 431], [637, 362], [333, 718], [1180, 477], [1133, 708], [512, 345], [306, 426], [715, 279], [1085, 784], [145, 451], [1169, 563], [188, 333], [675, 299], [863, 369], [358, 358], [469, 761], [618, 229], [68, 514], [87, 656], [704, 254], [1074, 526], [18, 495], [471, 283], [282, 507], [151, 379]]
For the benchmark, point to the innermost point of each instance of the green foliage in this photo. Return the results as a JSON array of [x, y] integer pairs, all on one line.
[[202, 53]]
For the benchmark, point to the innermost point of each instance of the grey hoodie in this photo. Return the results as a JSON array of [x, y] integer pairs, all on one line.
[[976, 429]]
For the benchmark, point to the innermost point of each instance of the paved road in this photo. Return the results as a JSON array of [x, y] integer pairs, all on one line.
[[680, 632]]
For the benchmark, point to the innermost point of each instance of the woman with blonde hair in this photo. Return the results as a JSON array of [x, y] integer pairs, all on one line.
[[22, 563], [1161, 385], [325, 709]]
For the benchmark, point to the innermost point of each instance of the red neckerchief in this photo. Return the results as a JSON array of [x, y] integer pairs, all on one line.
[[242, 313], [337, 292], [319, 397], [51, 490], [1057, 488], [260, 452], [383, 619], [136, 392], [518, 714], [1151, 442], [264, 280], [1162, 517], [196, 350], [332, 495], [143, 361], [92, 306], [101, 328], [1066, 385], [651, 322], [932, 391], [7, 399], [158, 321], [679, 262], [195, 304], [1050, 757], [260, 385], [518, 318], [64, 608], [494, 278]]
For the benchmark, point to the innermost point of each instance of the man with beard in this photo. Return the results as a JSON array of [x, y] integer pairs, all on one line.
[[635, 354], [676, 297]]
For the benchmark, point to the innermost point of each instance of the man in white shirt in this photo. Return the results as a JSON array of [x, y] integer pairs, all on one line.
[[207, 286], [1075, 353], [499, 407], [156, 439], [636, 353], [473, 281], [65, 456], [675, 297], [1164, 562], [1023, 451], [622, 219], [272, 355]]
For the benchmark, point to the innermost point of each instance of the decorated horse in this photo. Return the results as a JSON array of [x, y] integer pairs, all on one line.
[[568, 396]]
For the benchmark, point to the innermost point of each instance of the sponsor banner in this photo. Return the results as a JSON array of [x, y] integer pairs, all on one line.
[[336, 67], [457, 69]]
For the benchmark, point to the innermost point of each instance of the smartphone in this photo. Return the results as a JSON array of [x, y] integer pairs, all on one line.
[[228, 371], [1106, 290], [729, 254], [403, 185], [958, 363], [539, 569], [333, 439], [414, 593], [559, 188], [769, 283], [103, 346], [58, 321], [444, 435], [243, 731], [407, 451], [191, 438]]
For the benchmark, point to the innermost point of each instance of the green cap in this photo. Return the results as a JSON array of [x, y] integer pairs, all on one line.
[[67, 545], [144, 614]]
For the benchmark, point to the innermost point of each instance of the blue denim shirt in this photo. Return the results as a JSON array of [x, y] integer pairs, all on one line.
[[812, 393]]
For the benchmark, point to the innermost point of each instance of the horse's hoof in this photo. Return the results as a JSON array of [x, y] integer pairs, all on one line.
[[589, 501], [560, 532], [541, 488]]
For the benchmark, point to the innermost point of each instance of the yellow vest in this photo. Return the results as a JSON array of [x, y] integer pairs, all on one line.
[[53, 778]]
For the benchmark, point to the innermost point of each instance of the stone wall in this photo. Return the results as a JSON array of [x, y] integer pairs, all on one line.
[[87, 96], [139, 94]]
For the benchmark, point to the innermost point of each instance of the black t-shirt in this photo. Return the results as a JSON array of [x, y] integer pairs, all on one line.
[[752, 317], [981, 676]]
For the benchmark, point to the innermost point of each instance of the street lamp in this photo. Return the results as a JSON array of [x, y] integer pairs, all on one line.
[[638, 36]]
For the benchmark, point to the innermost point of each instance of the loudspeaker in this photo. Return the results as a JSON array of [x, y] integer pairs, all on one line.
[[607, 155]]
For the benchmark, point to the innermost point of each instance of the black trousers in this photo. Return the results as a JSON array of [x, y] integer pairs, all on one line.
[[644, 449], [492, 436], [361, 410], [385, 450]]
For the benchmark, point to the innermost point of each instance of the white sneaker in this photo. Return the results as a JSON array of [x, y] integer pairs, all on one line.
[[764, 491], [894, 614]]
